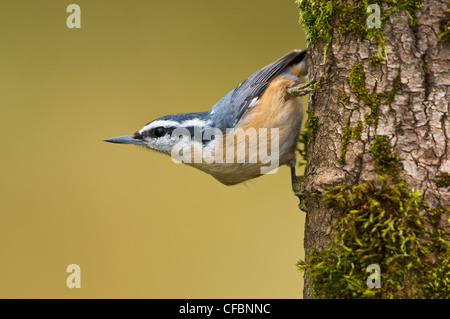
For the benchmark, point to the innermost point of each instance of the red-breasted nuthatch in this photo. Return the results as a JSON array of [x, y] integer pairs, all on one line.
[[237, 134]]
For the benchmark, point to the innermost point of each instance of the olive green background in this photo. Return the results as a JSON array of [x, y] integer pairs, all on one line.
[[138, 225]]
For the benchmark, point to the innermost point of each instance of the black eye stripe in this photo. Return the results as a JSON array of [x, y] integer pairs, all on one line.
[[157, 132], [160, 131]]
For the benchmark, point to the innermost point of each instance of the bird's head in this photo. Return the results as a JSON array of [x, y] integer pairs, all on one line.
[[164, 133]]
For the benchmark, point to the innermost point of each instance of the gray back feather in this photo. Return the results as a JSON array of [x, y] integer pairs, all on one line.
[[227, 112]]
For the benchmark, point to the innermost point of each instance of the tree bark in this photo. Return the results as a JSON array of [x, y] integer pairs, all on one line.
[[412, 84]]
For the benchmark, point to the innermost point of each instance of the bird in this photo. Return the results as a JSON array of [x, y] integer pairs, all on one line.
[[249, 132]]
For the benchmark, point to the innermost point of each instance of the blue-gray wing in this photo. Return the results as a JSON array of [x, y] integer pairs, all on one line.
[[239, 101]]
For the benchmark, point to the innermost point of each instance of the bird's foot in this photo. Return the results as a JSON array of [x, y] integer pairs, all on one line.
[[301, 89]]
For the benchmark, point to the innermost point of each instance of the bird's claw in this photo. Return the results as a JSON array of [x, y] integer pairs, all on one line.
[[301, 89]]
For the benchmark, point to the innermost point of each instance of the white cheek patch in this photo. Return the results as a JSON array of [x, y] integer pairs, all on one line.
[[162, 143]]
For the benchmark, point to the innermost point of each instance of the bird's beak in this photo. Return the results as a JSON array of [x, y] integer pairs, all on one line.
[[129, 139]]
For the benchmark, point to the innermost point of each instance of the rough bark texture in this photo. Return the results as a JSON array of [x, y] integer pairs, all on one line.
[[416, 120]]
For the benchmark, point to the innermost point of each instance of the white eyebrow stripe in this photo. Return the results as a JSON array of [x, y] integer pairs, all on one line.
[[157, 123], [195, 122], [165, 123]]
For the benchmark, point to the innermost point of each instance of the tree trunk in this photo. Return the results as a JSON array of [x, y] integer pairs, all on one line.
[[381, 106]]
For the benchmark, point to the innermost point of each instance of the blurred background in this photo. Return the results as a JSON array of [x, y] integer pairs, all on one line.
[[138, 225]]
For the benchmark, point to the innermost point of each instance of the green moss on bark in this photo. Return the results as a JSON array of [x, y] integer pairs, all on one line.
[[307, 135], [382, 224], [444, 36], [396, 86], [347, 134], [375, 60], [320, 17], [385, 161], [443, 179], [357, 83], [345, 98]]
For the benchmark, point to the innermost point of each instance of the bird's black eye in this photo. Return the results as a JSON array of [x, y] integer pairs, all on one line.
[[159, 131]]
